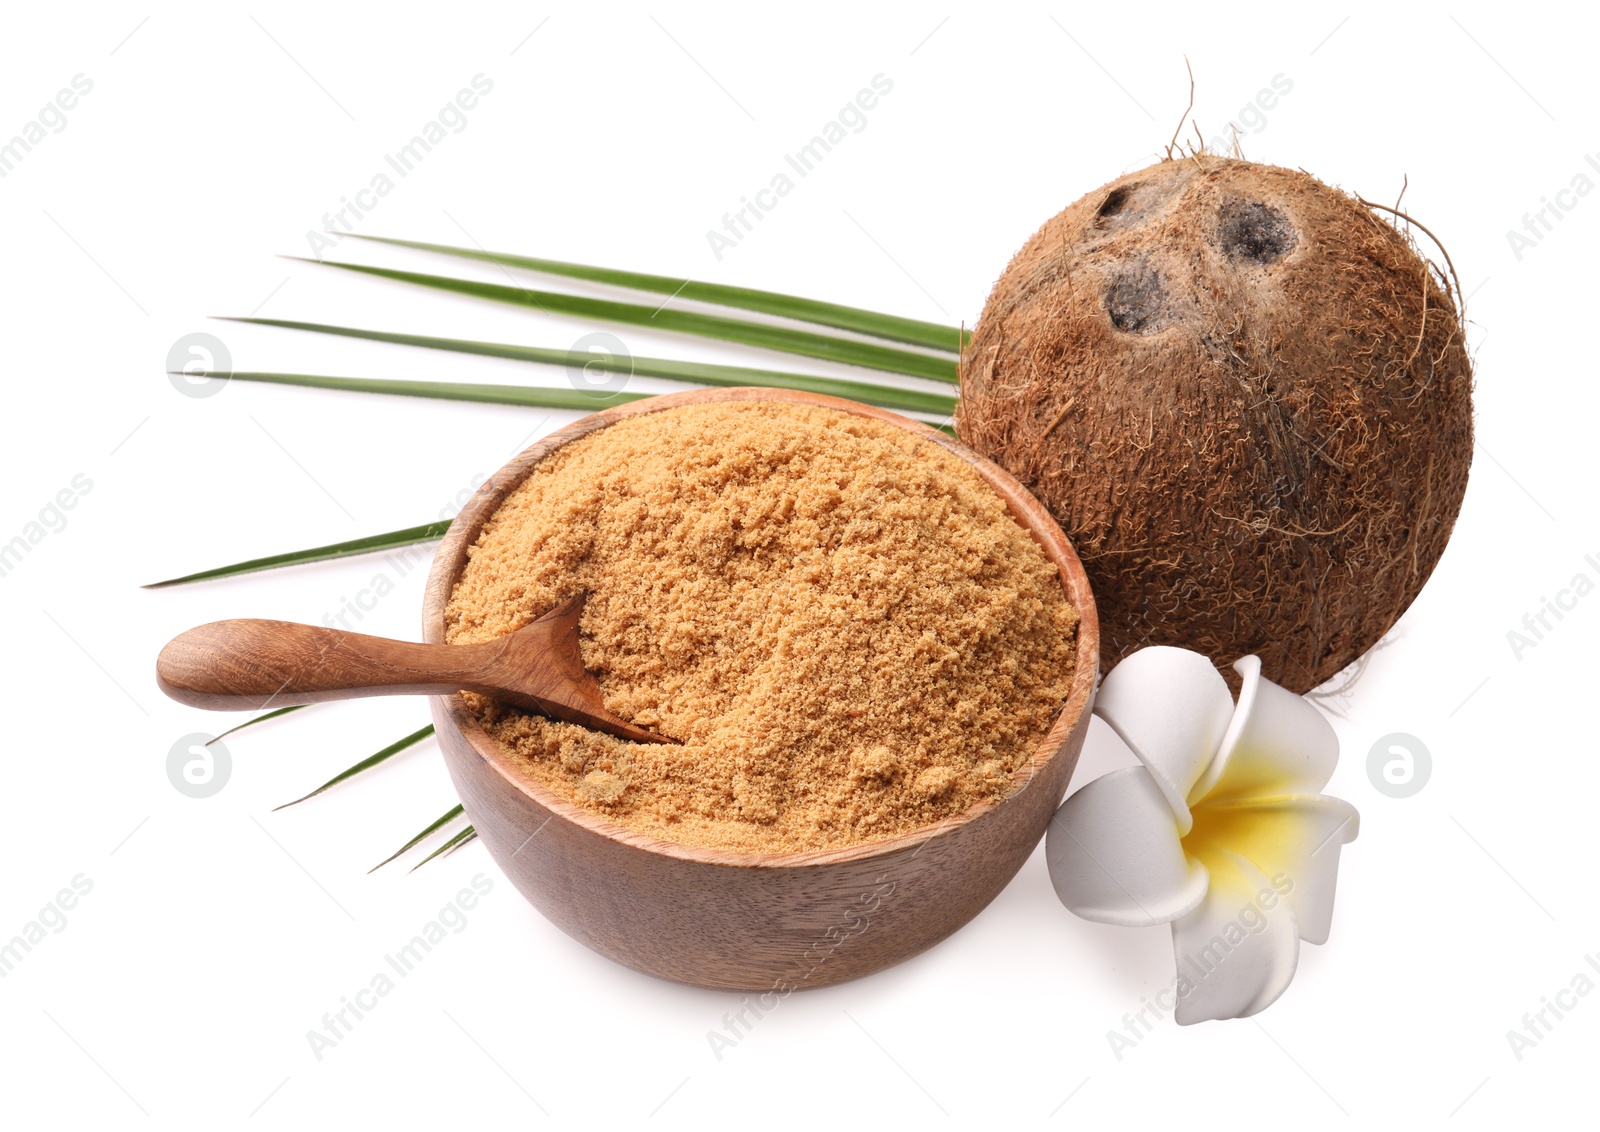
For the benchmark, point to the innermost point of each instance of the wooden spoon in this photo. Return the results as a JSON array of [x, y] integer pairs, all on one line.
[[243, 664]]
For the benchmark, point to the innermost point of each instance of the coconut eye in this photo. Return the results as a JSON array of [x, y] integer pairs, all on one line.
[[1116, 200], [1122, 206], [1136, 300], [1254, 232]]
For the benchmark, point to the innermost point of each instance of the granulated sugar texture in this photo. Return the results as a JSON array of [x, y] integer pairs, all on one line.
[[840, 621]]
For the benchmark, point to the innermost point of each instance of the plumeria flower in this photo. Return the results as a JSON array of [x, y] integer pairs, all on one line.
[[1222, 831]]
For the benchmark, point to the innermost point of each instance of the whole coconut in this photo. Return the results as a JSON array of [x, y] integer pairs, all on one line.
[[1246, 399]]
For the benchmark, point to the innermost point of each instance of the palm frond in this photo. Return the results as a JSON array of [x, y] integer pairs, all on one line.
[[427, 532], [911, 331], [699, 373], [579, 400], [450, 846], [540, 397], [449, 815], [744, 331], [367, 763], [274, 714]]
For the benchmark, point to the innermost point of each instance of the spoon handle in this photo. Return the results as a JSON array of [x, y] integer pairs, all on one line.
[[250, 663]]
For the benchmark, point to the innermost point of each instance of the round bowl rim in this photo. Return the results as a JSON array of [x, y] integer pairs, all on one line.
[[1029, 513]]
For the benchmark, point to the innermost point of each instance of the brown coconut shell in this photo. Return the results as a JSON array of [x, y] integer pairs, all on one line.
[[1246, 399]]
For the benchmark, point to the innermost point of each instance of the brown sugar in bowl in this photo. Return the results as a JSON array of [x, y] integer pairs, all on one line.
[[770, 922]]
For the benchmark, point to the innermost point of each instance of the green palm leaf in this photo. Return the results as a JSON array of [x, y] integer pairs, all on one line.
[[909, 330], [699, 373], [449, 816], [367, 763], [739, 330], [584, 401], [450, 846], [274, 714], [427, 532], [525, 395]]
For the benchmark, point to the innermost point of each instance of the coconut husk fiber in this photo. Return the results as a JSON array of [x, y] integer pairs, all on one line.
[[1246, 399]]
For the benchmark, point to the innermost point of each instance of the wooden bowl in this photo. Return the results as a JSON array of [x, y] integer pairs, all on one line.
[[754, 921]]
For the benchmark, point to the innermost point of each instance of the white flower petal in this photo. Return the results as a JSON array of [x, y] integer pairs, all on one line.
[[1276, 743], [1293, 840], [1172, 707], [1236, 954], [1114, 854]]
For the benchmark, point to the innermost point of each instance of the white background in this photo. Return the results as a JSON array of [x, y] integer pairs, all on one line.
[[218, 933]]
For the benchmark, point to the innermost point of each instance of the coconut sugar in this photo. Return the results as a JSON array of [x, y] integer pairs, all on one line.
[[841, 622]]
